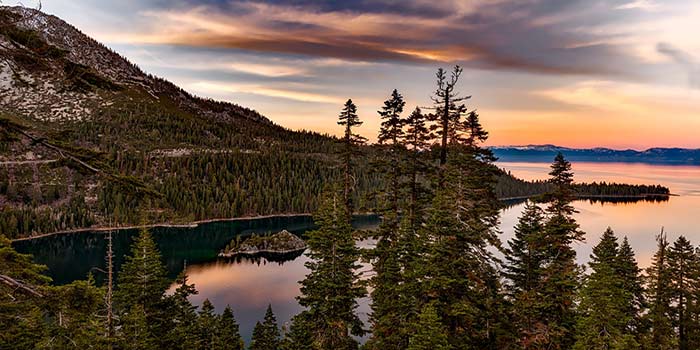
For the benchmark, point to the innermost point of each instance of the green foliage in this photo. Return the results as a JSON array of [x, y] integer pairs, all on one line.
[[142, 279], [525, 263], [185, 333], [229, 337], [604, 315], [351, 140], [631, 279], [298, 336], [135, 329], [561, 272], [659, 278], [430, 334], [207, 325], [266, 335], [331, 289], [684, 268], [140, 289], [20, 311]]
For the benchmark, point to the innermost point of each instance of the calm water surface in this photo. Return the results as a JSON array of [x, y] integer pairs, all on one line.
[[249, 285]]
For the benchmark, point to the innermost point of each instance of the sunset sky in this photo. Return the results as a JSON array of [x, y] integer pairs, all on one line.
[[614, 73]]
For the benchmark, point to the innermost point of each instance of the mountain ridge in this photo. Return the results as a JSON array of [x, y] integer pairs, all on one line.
[[79, 51], [545, 153]]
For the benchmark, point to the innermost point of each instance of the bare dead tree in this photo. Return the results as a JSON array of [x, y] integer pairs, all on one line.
[[12, 22], [448, 108]]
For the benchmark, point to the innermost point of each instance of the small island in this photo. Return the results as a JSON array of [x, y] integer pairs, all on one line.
[[283, 242]]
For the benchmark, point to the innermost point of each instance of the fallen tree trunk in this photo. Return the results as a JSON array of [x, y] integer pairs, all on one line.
[[19, 285]]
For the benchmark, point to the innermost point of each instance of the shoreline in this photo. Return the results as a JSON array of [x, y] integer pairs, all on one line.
[[194, 224], [259, 252]]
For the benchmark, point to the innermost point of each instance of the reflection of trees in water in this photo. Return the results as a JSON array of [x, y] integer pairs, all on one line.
[[71, 257], [626, 200], [603, 200], [264, 258]]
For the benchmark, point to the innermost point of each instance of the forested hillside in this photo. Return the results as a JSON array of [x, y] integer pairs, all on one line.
[[435, 281], [88, 139]]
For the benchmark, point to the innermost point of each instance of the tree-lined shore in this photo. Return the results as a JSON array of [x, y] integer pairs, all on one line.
[[435, 282]]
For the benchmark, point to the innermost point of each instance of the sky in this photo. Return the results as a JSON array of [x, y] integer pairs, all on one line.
[[577, 73]]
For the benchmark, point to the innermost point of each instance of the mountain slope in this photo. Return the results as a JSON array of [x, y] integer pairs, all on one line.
[[68, 73], [75, 101]]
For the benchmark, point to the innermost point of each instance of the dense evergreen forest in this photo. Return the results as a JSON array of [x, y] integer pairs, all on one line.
[[435, 282]]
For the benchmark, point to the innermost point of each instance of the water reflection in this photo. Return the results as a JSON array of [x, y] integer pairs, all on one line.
[[72, 256], [640, 221], [250, 284]]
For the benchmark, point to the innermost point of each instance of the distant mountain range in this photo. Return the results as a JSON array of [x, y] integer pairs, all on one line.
[[545, 153]]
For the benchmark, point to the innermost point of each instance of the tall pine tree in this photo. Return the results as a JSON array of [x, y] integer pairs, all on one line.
[[331, 289], [525, 259], [561, 272], [141, 286], [266, 335], [604, 302], [349, 120], [228, 334], [683, 267], [388, 306], [462, 226], [631, 278], [430, 333], [660, 313]]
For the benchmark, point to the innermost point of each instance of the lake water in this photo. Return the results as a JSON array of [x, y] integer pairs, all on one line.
[[249, 285]]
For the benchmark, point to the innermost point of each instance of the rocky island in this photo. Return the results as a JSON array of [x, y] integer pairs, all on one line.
[[283, 242]]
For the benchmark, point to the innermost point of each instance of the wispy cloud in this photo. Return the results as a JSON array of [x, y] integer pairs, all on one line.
[[683, 59], [544, 36], [296, 95]]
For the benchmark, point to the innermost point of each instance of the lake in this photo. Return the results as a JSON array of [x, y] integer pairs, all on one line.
[[249, 285]]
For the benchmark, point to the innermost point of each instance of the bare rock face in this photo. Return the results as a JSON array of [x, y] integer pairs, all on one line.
[[280, 243], [52, 72]]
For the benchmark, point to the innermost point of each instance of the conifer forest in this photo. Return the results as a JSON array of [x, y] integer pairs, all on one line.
[[540, 193], [441, 277]]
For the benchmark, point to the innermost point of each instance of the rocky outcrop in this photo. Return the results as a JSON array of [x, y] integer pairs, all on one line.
[[282, 242]]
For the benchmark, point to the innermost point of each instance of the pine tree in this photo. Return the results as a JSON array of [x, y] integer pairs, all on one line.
[[348, 118], [331, 289], [298, 336], [659, 295], [257, 340], [525, 261], [416, 141], [207, 325], [429, 334], [387, 306], [185, 333], [74, 314], [142, 281], [21, 286], [630, 276], [135, 330], [604, 302], [412, 240], [462, 226], [683, 268], [229, 337], [693, 329], [561, 272], [266, 335]]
